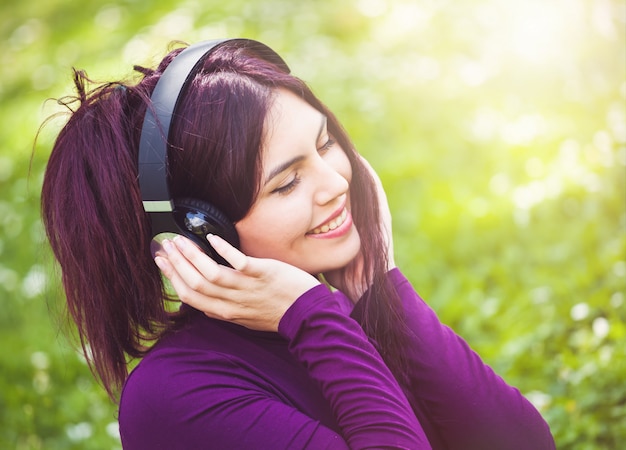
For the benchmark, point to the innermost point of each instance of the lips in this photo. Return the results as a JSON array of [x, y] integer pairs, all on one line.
[[332, 224]]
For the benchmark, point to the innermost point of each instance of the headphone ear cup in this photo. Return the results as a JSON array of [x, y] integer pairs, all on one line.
[[197, 218]]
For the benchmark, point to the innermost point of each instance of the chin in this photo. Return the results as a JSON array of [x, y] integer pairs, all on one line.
[[339, 259]]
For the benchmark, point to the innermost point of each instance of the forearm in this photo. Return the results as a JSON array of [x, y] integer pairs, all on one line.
[[468, 405], [369, 405]]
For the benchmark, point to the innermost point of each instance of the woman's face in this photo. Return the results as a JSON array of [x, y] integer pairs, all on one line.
[[302, 214]]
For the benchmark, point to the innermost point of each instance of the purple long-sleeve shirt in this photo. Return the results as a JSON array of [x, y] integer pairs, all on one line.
[[319, 384]]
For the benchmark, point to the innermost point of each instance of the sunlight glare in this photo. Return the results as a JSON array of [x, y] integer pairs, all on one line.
[[372, 8], [539, 31]]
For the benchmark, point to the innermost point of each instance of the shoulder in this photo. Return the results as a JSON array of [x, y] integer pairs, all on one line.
[[184, 375], [174, 371], [217, 392]]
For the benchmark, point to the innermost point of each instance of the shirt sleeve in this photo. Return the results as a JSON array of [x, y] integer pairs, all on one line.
[[368, 403], [467, 404]]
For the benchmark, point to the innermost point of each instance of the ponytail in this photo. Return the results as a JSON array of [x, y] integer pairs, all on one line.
[[97, 229]]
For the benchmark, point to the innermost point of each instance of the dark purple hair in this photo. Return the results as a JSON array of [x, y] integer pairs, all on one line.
[[98, 230]]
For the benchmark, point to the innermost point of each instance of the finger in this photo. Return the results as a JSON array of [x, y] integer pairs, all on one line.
[[212, 307], [200, 260], [163, 264], [235, 258], [215, 276], [185, 269], [174, 278]]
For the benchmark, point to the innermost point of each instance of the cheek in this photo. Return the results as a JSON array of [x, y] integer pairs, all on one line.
[[270, 232], [254, 235]]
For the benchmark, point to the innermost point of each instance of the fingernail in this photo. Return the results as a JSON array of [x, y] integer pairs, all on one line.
[[212, 239], [167, 245], [180, 243], [160, 262]]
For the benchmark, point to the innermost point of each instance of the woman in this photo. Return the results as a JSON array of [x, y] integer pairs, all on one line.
[[307, 336]]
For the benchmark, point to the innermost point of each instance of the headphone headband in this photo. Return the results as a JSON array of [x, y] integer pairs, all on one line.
[[190, 217], [153, 145]]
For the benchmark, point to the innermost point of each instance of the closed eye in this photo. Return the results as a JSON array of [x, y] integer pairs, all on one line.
[[286, 189], [327, 145]]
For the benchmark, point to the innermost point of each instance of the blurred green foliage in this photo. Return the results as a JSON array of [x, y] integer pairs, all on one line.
[[498, 128]]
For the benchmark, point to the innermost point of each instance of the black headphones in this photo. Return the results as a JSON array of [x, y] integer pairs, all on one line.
[[189, 217]]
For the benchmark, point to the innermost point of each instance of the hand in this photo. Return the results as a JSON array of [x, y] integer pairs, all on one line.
[[349, 279], [254, 293]]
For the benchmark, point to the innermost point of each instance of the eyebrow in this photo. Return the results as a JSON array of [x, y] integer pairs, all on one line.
[[287, 164]]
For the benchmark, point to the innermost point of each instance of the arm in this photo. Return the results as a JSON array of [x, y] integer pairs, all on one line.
[[469, 406], [366, 400], [368, 403], [458, 399]]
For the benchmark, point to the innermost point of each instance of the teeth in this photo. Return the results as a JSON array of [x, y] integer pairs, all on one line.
[[333, 224]]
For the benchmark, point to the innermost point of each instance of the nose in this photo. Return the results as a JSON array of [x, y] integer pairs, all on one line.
[[330, 183]]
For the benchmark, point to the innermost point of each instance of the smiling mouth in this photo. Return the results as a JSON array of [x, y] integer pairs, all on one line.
[[331, 224]]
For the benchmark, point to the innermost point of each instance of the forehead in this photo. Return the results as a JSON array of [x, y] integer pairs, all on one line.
[[291, 126]]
